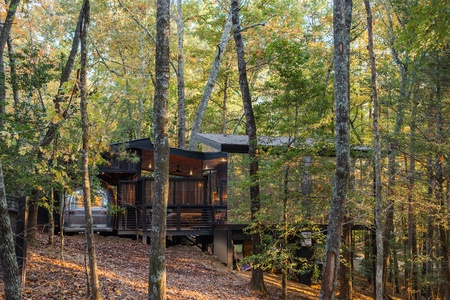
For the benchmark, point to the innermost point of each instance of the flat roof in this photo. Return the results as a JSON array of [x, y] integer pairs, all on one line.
[[239, 144], [146, 144], [233, 143]]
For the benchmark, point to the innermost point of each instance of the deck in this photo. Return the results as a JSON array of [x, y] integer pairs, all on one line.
[[182, 220]]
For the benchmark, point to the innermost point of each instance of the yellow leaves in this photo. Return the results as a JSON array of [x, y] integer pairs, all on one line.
[[10, 142], [10, 138], [24, 149]]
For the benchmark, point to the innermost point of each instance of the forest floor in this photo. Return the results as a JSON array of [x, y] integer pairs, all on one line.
[[123, 273]]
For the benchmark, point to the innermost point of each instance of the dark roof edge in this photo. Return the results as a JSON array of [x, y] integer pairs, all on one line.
[[146, 144]]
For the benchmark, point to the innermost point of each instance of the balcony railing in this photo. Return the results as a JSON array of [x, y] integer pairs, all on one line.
[[179, 217]]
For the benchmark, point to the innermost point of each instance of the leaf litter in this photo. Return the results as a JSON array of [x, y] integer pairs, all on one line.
[[123, 273]]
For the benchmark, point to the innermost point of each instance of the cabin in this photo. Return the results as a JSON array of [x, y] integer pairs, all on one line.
[[198, 191]]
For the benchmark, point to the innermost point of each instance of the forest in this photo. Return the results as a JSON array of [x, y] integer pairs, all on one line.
[[359, 89]]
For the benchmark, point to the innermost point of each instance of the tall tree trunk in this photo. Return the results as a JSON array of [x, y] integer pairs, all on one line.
[[394, 141], [345, 269], [209, 84], [225, 104], [285, 241], [377, 160], [157, 270], [341, 33], [412, 267], [180, 77], [89, 230], [429, 241], [441, 196], [143, 84], [11, 277], [51, 219], [257, 280], [4, 36], [12, 66], [396, 271]]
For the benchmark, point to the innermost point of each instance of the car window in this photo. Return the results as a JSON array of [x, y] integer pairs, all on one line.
[[75, 200], [98, 199]]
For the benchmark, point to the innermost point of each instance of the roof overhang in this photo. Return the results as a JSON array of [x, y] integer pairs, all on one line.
[[146, 144], [240, 144], [233, 143]]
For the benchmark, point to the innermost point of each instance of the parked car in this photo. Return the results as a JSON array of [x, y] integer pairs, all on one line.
[[74, 217]]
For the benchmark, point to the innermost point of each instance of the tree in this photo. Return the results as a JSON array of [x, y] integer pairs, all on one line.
[[11, 277], [14, 77], [13, 289], [47, 138], [180, 77], [4, 36], [439, 190], [377, 159], [411, 110], [341, 34], [89, 230], [210, 84], [257, 280], [157, 269], [404, 66]]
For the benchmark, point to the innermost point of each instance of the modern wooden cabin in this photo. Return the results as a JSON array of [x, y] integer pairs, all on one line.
[[198, 193], [197, 189]]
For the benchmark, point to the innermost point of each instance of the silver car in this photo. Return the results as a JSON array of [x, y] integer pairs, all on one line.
[[73, 211]]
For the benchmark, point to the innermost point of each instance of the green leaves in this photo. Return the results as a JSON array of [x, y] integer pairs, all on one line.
[[428, 23]]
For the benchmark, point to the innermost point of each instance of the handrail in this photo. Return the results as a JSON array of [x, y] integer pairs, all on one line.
[[182, 216]]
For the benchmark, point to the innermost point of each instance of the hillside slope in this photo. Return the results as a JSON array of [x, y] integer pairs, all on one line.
[[123, 269]]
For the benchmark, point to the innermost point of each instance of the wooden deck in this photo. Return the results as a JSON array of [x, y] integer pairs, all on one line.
[[182, 220]]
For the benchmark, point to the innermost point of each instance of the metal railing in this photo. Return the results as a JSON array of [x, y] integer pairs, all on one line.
[[180, 217]]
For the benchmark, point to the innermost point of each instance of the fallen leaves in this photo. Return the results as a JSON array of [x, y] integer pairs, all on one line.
[[123, 273]]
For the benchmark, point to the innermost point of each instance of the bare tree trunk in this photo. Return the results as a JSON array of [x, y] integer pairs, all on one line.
[[157, 270], [396, 271], [284, 274], [442, 197], [345, 268], [51, 220], [11, 277], [4, 36], [12, 66], [32, 217], [412, 287], [89, 231], [377, 160], [143, 83], [322, 105], [341, 32], [180, 77], [210, 84], [429, 241], [394, 142], [225, 105], [257, 280], [62, 211]]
